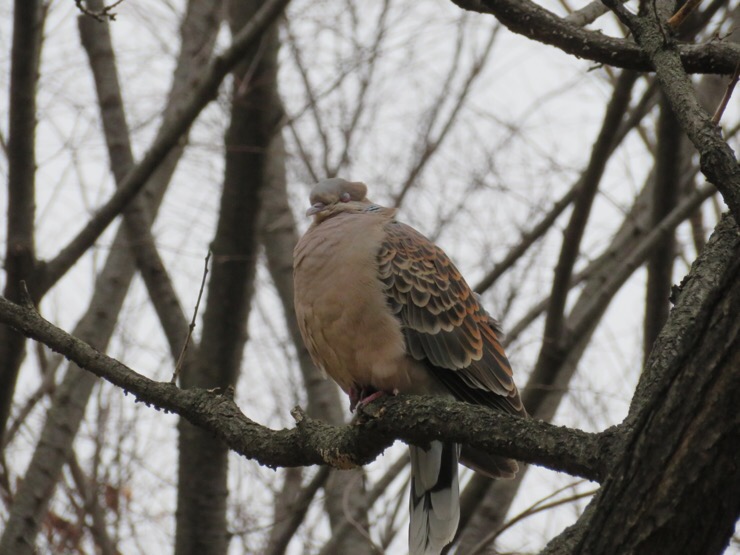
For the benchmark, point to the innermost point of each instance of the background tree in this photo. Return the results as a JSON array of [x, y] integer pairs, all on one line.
[[569, 184]]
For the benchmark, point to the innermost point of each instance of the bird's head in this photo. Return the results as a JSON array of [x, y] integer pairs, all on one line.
[[333, 196]]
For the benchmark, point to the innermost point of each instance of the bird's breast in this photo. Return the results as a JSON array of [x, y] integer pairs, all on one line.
[[342, 309]]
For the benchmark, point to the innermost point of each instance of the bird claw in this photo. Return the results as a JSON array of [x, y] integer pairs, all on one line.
[[359, 398]]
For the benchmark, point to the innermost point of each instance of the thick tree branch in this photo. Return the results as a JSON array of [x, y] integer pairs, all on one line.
[[718, 162], [20, 254], [417, 419], [526, 18], [665, 194], [680, 446]]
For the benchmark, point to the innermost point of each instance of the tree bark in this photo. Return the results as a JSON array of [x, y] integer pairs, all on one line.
[[20, 255], [675, 486]]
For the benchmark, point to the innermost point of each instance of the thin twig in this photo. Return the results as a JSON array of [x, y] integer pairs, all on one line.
[[431, 144], [728, 94], [680, 16], [530, 511], [106, 14], [191, 327]]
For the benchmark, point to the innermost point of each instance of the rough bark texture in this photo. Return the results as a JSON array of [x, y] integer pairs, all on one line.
[[527, 18], [675, 486], [414, 419]]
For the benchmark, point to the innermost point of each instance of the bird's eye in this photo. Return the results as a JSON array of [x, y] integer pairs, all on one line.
[[345, 197]]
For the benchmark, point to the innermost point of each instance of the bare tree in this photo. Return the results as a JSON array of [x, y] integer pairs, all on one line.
[[573, 205]]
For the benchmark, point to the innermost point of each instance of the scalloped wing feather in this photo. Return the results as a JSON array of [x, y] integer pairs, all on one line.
[[443, 321]]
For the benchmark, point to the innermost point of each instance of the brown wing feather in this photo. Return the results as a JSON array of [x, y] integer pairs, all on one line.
[[443, 322]]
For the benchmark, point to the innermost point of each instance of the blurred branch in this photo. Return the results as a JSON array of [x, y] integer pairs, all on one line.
[[414, 419], [373, 495], [97, 43], [92, 507], [551, 353], [101, 15], [255, 109], [635, 259], [684, 11], [171, 134], [303, 154], [728, 94], [20, 255], [430, 144], [668, 162], [96, 326], [528, 239], [348, 131], [533, 509], [297, 512], [587, 14], [526, 18], [312, 101]]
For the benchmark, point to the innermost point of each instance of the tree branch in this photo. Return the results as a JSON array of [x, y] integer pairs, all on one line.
[[526, 18], [653, 498], [20, 254], [170, 135], [718, 162], [413, 419]]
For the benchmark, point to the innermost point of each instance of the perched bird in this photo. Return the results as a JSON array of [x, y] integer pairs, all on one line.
[[382, 310]]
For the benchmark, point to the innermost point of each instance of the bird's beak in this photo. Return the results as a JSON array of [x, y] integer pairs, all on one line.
[[316, 208]]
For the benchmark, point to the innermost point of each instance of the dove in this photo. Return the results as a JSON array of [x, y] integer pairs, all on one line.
[[383, 310]]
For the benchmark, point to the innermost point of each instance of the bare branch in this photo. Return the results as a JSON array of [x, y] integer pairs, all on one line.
[[298, 509], [528, 239], [551, 354], [431, 144], [312, 100], [102, 15], [413, 419], [191, 327], [718, 162], [348, 131], [636, 258], [684, 11], [665, 194], [201, 95], [20, 255], [526, 18], [728, 94], [92, 507]]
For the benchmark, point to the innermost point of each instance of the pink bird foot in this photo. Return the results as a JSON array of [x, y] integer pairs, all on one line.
[[361, 397]]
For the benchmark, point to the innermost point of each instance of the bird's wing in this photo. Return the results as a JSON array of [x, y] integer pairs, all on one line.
[[443, 324]]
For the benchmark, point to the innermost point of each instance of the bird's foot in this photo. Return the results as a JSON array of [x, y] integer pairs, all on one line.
[[370, 398], [360, 397]]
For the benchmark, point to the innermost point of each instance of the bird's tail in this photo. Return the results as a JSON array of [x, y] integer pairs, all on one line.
[[435, 497]]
